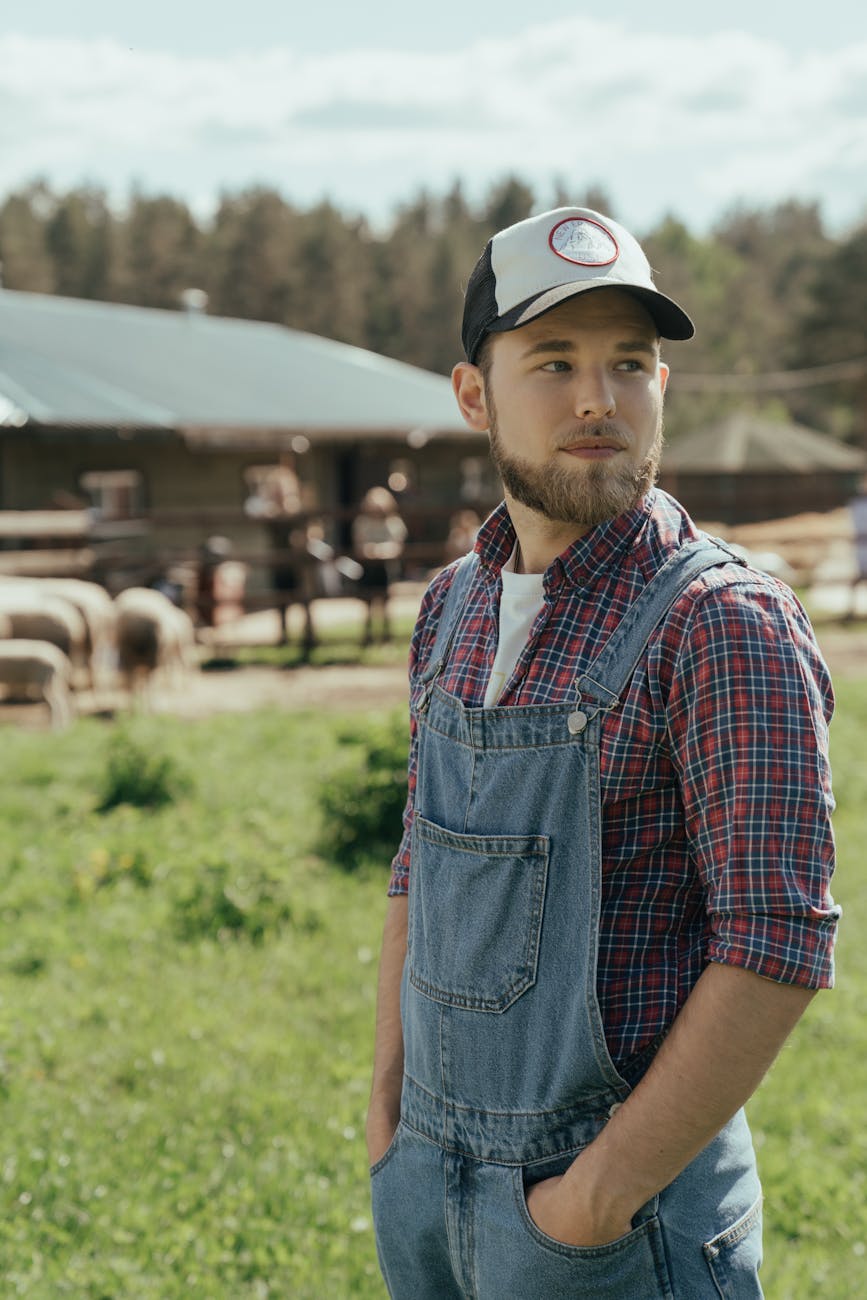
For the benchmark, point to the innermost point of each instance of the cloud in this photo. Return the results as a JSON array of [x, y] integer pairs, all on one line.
[[230, 135], [682, 123], [368, 115]]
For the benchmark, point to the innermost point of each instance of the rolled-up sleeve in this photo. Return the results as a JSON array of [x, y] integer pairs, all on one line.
[[748, 714]]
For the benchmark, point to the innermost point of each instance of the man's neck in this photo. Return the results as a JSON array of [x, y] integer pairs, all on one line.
[[540, 540]]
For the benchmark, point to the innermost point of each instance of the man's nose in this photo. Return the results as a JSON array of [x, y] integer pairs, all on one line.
[[594, 394]]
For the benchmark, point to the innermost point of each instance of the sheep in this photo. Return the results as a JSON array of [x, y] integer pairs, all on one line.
[[36, 615], [37, 670], [96, 608], [100, 621], [152, 634]]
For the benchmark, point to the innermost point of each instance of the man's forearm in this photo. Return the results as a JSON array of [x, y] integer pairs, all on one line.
[[384, 1110], [720, 1046]]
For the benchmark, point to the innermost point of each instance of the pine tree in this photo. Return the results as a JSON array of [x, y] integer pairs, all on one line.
[[24, 258], [78, 237]]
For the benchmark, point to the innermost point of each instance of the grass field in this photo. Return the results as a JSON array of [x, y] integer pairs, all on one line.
[[186, 1007]]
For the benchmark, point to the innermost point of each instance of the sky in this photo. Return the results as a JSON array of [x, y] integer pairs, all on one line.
[[666, 108]]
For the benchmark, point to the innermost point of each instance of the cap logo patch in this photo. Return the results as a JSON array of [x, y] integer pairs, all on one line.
[[584, 242]]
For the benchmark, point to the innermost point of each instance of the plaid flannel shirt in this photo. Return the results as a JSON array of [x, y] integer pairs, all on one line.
[[716, 795]]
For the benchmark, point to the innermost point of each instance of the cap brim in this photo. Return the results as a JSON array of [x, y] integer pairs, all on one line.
[[671, 320]]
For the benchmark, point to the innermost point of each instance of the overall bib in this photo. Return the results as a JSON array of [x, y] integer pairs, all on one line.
[[507, 1073]]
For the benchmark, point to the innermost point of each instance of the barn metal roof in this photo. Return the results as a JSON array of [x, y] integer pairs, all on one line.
[[742, 442], [66, 363]]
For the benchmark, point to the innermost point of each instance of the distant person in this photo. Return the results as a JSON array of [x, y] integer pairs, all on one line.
[[611, 901], [220, 583], [276, 492], [378, 536], [858, 512], [277, 501], [463, 529], [212, 553]]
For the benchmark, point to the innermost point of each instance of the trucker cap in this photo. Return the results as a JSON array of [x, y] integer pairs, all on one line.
[[536, 264]]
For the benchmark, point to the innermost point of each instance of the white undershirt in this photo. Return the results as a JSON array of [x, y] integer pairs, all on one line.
[[523, 596]]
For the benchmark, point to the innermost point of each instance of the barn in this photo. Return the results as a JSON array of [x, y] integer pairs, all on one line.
[[746, 468], [172, 418]]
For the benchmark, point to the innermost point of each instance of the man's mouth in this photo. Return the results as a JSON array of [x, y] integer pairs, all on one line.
[[594, 449]]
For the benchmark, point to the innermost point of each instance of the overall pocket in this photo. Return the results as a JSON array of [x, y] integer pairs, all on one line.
[[631, 1268], [734, 1256], [388, 1152], [475, 915]]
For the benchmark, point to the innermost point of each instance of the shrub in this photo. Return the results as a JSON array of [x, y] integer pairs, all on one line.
[[227, 901], [362, 802], [138, 776]]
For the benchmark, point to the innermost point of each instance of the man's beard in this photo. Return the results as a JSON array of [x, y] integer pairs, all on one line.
[[602, 491]]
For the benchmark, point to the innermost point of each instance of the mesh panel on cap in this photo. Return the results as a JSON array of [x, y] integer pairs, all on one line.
[[480, 304]]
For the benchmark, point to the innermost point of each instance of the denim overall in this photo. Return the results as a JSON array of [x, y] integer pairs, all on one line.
[[507, 1074]]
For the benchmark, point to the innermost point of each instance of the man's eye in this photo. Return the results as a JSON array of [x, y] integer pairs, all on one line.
[[556, 367], [630, 365]]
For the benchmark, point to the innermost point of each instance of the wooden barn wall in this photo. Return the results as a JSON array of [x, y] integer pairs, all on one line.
[[209, 483], [754, 497]]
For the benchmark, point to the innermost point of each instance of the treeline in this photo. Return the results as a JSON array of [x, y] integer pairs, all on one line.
[[771, 290]]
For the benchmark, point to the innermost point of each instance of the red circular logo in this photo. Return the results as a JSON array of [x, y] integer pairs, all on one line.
[[584, 242]]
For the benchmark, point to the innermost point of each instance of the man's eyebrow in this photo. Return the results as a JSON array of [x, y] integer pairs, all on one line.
[[549, 345], [566, 345], [638, 345]]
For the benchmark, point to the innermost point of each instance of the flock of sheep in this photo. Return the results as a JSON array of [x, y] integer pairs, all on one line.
[[62, 635]]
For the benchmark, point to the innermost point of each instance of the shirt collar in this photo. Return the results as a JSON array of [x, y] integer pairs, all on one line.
[[582, 562]]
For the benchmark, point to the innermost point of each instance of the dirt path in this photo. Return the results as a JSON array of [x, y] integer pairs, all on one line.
[[845, 649], [244, 689], [364, 687]]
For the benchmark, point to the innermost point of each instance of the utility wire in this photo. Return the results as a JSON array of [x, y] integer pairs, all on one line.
[[774, 381]]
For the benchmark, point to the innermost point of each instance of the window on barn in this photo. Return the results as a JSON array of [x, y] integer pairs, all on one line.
[[114, 493]]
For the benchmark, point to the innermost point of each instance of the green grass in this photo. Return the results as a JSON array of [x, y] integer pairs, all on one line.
[[183, 1105], [186, 1010], [808, 1116], [338, 644]]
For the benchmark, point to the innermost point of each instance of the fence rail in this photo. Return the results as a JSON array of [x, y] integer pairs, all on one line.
[[127, 552]]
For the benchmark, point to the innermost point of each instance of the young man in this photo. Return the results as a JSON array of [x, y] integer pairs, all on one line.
[[617, 848]]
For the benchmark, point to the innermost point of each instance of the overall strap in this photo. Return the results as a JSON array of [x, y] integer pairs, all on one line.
[[465, 570], [613, 667]]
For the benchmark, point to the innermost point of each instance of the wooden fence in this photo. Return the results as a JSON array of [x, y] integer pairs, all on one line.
[[147, 551]]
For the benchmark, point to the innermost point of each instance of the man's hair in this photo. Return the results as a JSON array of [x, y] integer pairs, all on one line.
[[484, 360]]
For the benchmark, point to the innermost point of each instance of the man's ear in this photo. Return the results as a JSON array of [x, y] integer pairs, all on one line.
[[664, 372], [469, 389]]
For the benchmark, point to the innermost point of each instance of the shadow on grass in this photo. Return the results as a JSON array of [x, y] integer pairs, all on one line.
[[337, 648]]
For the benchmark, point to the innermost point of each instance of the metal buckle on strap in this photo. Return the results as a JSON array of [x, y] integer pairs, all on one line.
[[581, 714], [427, 692]]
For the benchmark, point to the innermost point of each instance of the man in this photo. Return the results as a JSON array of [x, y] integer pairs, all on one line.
[[617, 844]]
